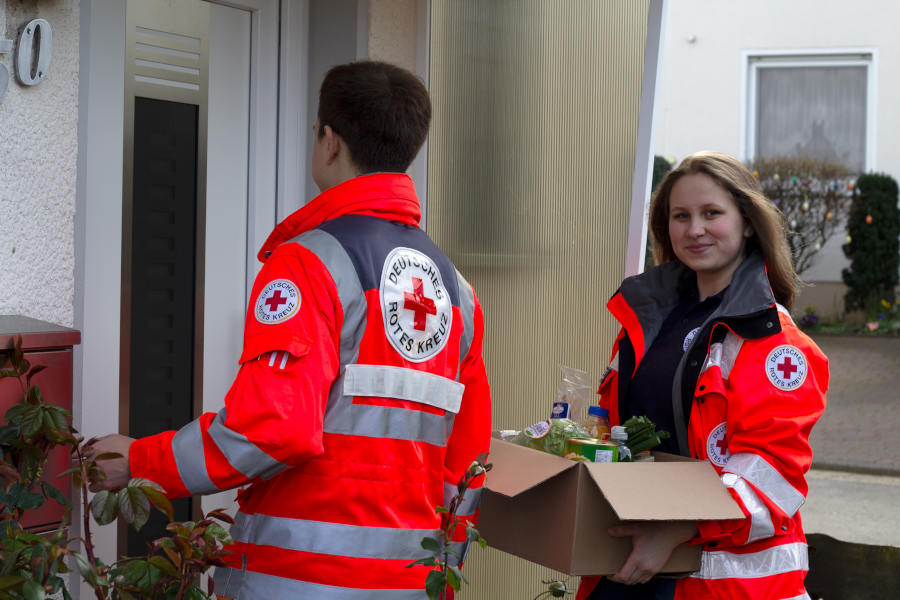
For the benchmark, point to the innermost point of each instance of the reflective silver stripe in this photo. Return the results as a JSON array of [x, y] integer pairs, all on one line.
[[471, 501], [723, 354], [337, 539], [803, 596], [771, 561], [344, 417], [461, 549], [397, 424], [785, 312], [405, 384], [765, 478], [761, 525], [349, 288], [467, 309], [243, 454], [248, 585], [187, 446]]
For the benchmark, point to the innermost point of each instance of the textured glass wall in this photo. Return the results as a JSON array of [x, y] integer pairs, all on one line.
[[531, 158]]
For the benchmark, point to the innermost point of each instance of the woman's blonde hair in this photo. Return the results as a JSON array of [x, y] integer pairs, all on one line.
[[768, 223]]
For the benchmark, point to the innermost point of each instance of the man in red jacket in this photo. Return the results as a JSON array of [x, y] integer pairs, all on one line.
[[362, 395]]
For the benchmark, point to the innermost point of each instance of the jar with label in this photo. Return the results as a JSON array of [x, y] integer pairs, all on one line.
[[592, 450], [619, 435], [597, 422]]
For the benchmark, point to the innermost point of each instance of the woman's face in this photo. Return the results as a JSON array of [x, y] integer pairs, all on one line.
[[707, 230]]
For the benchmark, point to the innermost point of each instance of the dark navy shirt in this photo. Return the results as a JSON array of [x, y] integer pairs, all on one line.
[[650, 392]]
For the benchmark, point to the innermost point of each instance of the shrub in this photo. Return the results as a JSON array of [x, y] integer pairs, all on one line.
[[872, 245], [33, 566], [814, 196]]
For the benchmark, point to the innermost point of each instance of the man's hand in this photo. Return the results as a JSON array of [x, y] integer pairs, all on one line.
[[116, 469], [652, 544]]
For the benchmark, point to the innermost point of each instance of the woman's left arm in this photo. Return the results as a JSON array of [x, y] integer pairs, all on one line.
[[776, 393]]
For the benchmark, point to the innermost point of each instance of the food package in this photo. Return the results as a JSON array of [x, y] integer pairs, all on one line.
[[550, 435], [573, 394]]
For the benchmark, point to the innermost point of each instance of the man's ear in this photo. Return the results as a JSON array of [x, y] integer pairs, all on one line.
[[333, 143]]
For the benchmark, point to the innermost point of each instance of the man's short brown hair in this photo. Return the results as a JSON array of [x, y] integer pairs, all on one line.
[[380, 110]]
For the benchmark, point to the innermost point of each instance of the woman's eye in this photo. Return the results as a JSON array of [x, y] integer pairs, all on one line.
[[679, 216], [713, 212]]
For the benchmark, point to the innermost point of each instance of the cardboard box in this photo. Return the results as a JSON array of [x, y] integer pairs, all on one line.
[[556, 512]]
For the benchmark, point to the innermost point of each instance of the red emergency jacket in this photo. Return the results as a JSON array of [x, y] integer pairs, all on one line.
[[748, 390], [360, 401]]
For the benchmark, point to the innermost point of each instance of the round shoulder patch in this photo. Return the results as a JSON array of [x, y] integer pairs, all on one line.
[[415, 304], [716, 449], [786, 367], [277, 302]]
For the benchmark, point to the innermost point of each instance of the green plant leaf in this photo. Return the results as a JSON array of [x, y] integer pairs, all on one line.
[[455, 577], [472, 533], [163, 565], [88, 573], [134, 506], [11, 559], [133, 572], [31, 421], [34, 396], [429, 561], [431, 544], [104, 507], [217, 532], [34, 371], [195, 593], [158, 498], [10, 581], [54, 419], [32, 590], [20, 497], [55, 493], [435, 584]]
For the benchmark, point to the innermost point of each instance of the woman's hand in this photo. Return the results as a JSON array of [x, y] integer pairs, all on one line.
[[652, 544]]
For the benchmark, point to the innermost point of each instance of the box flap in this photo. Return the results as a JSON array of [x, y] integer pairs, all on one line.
[[517, 468], [664, 491]]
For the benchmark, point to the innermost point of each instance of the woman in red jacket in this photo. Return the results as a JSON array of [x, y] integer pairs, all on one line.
[[708, 350]]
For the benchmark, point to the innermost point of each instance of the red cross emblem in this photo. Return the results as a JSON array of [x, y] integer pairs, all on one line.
[[787, 368], [716, 446], [419, 304], [275, 301], [720, 444]]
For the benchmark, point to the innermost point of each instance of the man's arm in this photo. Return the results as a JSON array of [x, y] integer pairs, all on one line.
[[274, 410]]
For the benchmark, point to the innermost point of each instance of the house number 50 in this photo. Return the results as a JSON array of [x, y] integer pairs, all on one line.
[[33, 52]]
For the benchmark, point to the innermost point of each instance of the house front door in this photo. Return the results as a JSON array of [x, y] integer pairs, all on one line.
[[185, 217]]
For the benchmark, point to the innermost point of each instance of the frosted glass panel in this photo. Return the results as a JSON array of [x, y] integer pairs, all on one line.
[[530, 165], [813, 111]]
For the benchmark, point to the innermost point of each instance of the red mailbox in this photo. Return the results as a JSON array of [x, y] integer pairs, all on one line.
[[49, 345]]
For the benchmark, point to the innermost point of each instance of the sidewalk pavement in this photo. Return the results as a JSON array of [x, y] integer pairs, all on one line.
[[854, 485], [860, 430]]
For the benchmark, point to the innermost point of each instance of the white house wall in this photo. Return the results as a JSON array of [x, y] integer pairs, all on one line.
[[38, 154], [701, 93]]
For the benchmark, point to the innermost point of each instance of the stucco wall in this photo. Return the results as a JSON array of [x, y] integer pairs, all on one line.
[[392, 31], [700, 97], [38, 152]]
